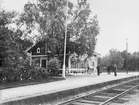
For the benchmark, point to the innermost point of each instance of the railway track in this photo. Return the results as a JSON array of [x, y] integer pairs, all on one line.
[[106, 95]]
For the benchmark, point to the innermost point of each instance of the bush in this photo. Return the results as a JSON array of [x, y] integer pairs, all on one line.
[[53, 66], [32, 72], [8, 74], [1, 74], [23, 72], [17, 73], [38, 73], [24, 68]]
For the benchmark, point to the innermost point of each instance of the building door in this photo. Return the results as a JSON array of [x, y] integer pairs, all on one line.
[[43, 63]]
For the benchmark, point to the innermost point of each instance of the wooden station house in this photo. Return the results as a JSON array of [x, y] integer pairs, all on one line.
[[39, 55]]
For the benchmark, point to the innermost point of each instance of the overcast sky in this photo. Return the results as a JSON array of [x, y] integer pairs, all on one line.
[[118, 20]]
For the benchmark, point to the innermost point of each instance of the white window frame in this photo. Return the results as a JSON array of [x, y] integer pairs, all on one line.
[[38, 50]]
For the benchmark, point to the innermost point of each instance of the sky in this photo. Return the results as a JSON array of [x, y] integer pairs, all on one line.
[[118, 21]]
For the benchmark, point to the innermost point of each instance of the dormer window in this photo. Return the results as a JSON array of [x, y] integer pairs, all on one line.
[[38, 50]]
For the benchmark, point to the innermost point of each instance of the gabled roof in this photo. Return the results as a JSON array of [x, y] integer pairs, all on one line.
[[34, 46], [30, 48]]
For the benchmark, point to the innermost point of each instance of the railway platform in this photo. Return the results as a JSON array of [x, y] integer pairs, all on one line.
[[72, 85]]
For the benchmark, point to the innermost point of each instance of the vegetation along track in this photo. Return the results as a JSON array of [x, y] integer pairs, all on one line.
[[105, 96]]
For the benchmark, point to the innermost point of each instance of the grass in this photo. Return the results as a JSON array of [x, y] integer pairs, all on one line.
[[27, 83]]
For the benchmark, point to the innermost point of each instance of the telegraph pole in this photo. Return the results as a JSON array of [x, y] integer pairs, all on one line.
[[64, 60]]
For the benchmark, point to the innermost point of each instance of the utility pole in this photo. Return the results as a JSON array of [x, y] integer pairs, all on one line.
[[126, 56], [64, 60]]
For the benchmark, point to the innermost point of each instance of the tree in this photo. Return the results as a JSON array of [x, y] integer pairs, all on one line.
[[10, 52], [104, 61], [14, 62], [116, 58], [24, 44], [125, 55], [5, 35], [133, 61], [83, 29], [47, 18]]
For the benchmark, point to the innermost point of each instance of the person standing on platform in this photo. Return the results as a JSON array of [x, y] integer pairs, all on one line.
[[98, 70], [108, 69], [115, 69], [88, 69]]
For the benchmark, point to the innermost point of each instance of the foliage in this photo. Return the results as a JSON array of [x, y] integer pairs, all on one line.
[[37, 73], [125, 55], [10, 53], [133, 61], [114, 57], [23, 44], [122, 59], [53, 66], [5, 20], [32, 72], [47, 18], [104, 61], [23, 72]]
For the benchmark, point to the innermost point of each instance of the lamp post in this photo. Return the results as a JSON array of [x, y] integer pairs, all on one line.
[[64, 60]]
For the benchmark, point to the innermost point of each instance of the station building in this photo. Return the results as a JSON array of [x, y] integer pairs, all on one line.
[[76, 64]]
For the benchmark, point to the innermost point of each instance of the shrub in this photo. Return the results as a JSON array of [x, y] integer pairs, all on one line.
[[23, 72], [24, 68], [32, 72], [53, 66], [8, 74], [1, 74], [38, 73]]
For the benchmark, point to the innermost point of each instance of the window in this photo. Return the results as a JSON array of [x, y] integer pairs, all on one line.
[[38, 50], [93, 64]]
